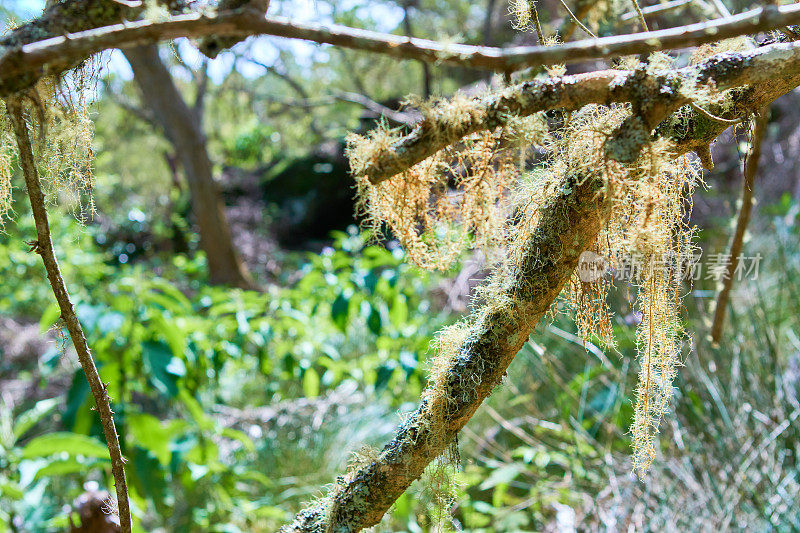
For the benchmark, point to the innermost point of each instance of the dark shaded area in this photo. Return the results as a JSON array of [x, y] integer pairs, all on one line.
[[312, 195]]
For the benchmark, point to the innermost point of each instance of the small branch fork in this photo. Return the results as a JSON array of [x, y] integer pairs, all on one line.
[[44, 247], [737, 239]]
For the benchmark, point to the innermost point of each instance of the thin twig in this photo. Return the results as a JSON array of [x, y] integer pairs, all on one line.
[[743, 218], [577, 20], [655, 9], [401, 117], [721, 8], [640, 14], [537, 25], [712, 116], [23, 65], [44, 247], [582, 8]]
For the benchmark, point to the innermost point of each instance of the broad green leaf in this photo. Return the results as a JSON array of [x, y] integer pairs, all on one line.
[[29, 418], [60, 467], [339, 311], [196, 411], [163, 369], [241, 436], [399, 311], [149, 433], [59, 442], [502, 475], [310, 383], [9, 489], [374, 322], [204, 453], [49, 317]]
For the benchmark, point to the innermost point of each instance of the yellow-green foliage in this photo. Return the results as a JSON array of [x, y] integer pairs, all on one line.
[[61, 134], [476, 193]]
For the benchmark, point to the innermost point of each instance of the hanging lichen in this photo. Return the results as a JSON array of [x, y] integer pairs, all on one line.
[[476, 193], [452, 200], [61, 135]]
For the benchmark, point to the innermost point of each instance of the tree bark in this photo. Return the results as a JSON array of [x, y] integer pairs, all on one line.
[[185, 133]]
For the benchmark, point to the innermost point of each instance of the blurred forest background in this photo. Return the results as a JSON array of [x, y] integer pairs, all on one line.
[[236, 405]]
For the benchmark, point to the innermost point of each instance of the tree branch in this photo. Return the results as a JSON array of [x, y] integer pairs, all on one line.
[[212, 46], [551, 255], [63, 18], [22, 64], [640, 14], [400, 117], [742, 220], [655, 9], [778, 62], [44, 247], [577, 20], [567, 27], [569, 223]]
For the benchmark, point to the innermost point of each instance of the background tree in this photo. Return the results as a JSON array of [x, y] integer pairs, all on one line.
[[182, 125]]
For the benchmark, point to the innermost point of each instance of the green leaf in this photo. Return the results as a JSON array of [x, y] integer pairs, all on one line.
[[163, 369], [241, 436], [340, 310], [60, 467], [169, 330], [29, 418], [152, 435], [374, 322], [384, 374], [196, 411], [170, 298], [501, 476], [60, 442], [310, 383], [9, 489], [399, 311], [204, 453], [49, 317]]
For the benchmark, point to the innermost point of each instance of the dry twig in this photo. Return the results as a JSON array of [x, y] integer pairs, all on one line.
[[639, 13], [743, 218], [578, 20], [44, 247]]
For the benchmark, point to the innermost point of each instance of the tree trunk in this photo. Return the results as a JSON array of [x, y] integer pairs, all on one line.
[[183, 130]]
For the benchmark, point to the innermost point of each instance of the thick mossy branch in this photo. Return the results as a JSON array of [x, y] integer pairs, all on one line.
[[569, 223], [770, 71], [60, 19]]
